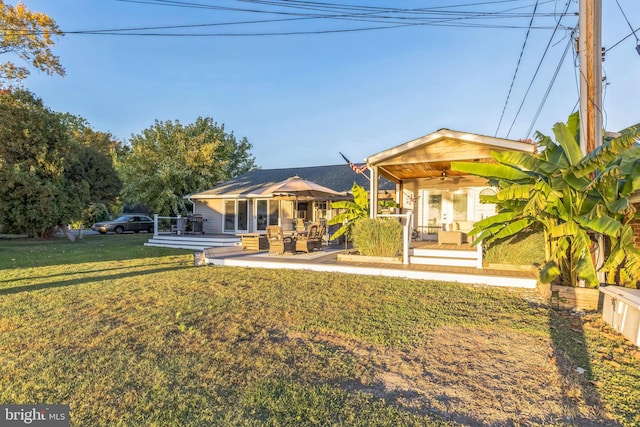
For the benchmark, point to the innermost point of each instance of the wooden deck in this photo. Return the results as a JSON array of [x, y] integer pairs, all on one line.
[[327, 261]]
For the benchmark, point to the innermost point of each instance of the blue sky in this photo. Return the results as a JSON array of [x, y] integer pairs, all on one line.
[[300, 99]]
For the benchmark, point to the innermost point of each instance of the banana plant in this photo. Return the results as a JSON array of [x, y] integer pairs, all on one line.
[[574, 198], [353, 210]]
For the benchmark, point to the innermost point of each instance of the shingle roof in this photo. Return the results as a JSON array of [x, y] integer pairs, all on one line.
[[337, 177]]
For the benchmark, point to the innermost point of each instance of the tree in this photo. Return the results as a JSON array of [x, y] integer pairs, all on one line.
[[353, 211], [96, 154], [27, 36], [169, 160], [573, 197], [39, 188]]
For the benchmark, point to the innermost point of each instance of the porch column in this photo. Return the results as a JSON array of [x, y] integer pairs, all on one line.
[[155, 224], [373, 192]]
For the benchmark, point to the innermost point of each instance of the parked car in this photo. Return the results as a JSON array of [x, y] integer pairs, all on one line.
[[135, 223]]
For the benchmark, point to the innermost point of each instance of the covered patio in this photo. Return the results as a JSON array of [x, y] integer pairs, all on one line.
[[444, 203]]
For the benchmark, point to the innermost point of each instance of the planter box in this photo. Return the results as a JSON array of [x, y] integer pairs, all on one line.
[[510, 267], [569, 297], [621, 310], [374, 259]]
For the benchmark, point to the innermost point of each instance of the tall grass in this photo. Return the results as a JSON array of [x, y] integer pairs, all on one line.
[[378, 237], [526, 248]]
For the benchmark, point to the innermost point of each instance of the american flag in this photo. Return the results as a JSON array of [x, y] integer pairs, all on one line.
[[356, 168]]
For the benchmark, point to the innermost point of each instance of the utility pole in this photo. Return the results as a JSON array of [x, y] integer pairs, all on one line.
[[590, 52]]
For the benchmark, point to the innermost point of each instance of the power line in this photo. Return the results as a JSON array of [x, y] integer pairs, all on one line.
[[444, 18], [546, 95], [535, 74], [628, 23], [526, 37]]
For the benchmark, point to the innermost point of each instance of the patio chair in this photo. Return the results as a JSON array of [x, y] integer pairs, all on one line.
[[319, 239], [278, 242], [181, 226], [307, 242]]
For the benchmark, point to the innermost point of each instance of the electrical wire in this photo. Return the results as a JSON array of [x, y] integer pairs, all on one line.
[[628, 23], [447, 18], [535, 74], [546, 95], [623, 39], [515, 73]]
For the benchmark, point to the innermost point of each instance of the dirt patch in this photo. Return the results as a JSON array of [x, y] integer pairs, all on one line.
[[477, 378]]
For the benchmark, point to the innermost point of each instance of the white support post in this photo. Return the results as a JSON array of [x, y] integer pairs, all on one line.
[[155, 225], [373, 193], [406, 233], [479, 255]]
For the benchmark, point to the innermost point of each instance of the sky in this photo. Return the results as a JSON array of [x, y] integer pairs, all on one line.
[[311, 83]]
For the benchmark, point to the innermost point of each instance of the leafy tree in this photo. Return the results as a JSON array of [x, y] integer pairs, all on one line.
[[353, 211], [97, 154], [27, 36], [39, 188], [575, 198], [169, 160]]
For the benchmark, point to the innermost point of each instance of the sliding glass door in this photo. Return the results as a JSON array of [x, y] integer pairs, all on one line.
[[236, 216], [267, 213]]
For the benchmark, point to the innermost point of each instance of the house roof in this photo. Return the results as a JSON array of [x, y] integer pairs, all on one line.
[[337, 177], [431, 155]]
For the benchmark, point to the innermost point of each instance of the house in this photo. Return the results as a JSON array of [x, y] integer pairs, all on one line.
[[232, 207], [635, 199], [439, 198]]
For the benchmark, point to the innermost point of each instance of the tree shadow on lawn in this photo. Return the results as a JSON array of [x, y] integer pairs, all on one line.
[[28, 253], [80, 273], [572, 360], [88, 279], [476, 376]]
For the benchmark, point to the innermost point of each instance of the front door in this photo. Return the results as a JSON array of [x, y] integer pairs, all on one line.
[[432, 214]]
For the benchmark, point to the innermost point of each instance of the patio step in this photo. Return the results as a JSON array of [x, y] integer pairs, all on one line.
[[192, 242], [444, 257]]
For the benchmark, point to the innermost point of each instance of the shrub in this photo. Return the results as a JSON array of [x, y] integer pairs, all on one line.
[[525, 248], [378, 237]]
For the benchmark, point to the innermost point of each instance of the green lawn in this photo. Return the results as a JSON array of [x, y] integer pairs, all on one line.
[[130, 335]]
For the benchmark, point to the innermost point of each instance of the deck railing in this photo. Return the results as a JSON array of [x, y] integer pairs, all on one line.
[[169, 224]]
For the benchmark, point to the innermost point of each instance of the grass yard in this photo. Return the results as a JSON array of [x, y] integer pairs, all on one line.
[[135, 336]]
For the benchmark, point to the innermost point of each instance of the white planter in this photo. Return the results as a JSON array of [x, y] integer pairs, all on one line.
[[621, 310]]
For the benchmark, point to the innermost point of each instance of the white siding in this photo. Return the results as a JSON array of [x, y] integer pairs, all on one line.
[[211, 211]]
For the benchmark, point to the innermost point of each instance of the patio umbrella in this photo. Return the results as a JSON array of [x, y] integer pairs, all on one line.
[[298, 188]]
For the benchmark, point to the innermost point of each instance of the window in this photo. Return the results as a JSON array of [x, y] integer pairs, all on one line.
[[460, 206], [230, 216]]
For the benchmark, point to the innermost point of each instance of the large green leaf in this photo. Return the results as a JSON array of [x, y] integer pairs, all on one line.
[[525, 161], [550, 151], [491, 171], [573, 125], [513, 228], [515, 192], [620, 149], [567, 141], [549, 272], [603, 225]]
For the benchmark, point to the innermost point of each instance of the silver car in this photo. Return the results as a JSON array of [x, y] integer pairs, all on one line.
[[133, 222]]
